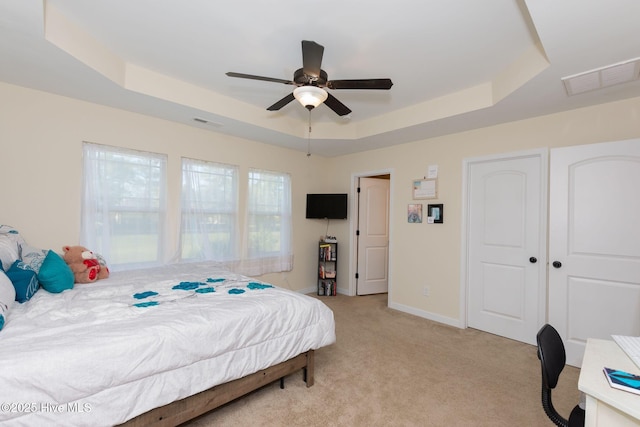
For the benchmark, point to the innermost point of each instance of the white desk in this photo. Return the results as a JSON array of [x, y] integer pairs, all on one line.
[[607, 406]]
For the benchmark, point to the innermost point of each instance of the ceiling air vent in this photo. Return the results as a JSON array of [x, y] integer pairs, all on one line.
[[622, 72]]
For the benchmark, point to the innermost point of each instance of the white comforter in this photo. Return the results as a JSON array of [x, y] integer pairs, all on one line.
[[102, 353]]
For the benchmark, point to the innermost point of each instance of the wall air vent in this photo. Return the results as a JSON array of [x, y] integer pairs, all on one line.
[[622, 72], [207, 122]]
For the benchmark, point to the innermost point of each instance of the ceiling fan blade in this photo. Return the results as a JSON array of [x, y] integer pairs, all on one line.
[[311, 58], [266, 79], [360, 84], [338, 107], [284, 101]]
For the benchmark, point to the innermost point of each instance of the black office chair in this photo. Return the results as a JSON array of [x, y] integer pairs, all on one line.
[[552, 359]]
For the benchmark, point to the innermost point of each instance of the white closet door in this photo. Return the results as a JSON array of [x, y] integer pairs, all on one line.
[[594, 243], [506, 246]]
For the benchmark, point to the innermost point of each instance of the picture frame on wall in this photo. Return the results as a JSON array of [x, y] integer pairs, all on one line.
[[414, 213], [425, 188], [435, 213]]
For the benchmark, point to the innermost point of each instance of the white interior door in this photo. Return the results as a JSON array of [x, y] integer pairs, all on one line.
[[373, 237], [594, 285], [506, 246]]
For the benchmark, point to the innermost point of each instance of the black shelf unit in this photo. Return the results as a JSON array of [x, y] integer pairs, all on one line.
[[327, 268]]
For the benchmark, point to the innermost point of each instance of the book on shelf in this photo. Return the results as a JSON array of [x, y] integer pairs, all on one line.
[[326, 254], [327, 287], [623, 380]]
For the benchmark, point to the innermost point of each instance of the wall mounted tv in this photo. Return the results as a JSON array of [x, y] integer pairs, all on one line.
[[327, 206]]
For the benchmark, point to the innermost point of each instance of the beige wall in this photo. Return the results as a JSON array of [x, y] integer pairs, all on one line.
[[40, 144], [41, 147], [429, 254]]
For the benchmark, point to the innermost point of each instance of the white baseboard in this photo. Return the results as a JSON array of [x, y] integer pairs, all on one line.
[[406, 309], [427, 315], [314, 290], [309, 290]]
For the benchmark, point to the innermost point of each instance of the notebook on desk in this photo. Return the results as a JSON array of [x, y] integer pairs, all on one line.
[[623, 380], [630, 345]]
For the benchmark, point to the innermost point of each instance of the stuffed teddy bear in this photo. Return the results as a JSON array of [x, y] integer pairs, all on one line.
[[87, 267]]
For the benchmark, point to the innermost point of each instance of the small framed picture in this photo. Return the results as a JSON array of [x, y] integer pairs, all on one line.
[[435, 214], [414, 213]]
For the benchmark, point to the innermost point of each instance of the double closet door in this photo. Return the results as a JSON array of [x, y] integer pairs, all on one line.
[[589, 284]]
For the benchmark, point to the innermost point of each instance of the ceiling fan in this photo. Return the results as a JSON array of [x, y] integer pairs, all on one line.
[[311, 81]]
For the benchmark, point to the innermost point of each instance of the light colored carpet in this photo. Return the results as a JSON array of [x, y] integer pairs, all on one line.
[[390, 368]]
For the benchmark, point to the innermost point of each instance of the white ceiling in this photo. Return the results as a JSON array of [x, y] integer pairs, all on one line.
[[455, 65]]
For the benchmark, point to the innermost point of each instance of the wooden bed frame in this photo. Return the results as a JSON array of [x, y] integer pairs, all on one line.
[[191, 407]]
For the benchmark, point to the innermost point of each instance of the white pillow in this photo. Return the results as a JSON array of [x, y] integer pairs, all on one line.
[[9, 251], [7, 297], [12, 233], [6, 229], [32, 256]]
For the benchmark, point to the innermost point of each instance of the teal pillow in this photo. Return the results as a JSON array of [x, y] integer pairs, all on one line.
[[55, 275], [24, 279]]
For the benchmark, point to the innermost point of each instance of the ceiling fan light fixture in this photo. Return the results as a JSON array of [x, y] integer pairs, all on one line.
[[310, 96]]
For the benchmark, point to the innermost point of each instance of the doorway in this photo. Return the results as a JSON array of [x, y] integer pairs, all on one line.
[[370, 226]]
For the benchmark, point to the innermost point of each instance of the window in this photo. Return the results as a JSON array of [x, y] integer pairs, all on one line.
[[268, 225], [209, 211], [124, 213], [124, 205]]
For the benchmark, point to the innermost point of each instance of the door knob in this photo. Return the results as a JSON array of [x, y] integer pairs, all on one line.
[[533, 260], [557, 264]]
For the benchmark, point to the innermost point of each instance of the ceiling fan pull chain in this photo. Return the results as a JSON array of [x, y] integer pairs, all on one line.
[[309, 137]]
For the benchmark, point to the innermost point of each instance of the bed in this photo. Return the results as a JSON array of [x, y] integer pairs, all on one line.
[[157, 346]]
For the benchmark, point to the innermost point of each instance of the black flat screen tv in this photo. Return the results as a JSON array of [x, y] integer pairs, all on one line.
[[326, 206]]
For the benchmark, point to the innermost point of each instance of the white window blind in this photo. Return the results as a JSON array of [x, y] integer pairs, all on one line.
[[209, 211], [124, 205]]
